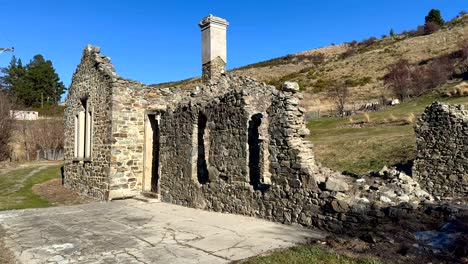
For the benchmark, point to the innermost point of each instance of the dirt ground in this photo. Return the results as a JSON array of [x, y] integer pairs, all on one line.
[[54, 192], [395, 242]]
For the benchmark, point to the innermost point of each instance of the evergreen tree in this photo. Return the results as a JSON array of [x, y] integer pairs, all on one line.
[[13, 80], [35, 84], [435, 17], [392, 33], [45, 82]]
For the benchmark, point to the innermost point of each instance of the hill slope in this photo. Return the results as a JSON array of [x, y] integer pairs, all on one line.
[[362, 64]]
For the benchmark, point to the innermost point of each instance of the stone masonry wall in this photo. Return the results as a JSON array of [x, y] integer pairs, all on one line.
[[233, 145], [128, 113], [92, 80], [214, 69], [441, 165]]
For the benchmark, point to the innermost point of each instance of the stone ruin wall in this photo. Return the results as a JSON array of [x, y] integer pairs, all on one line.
[[441, 165], [92, 80], [291, 187]]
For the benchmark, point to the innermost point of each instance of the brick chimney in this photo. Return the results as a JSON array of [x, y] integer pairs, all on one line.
[[213, 47]]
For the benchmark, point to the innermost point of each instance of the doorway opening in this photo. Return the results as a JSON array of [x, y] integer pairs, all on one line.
[[152, 154]]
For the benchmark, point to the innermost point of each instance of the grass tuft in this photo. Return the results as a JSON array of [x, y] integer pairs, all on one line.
[[310, 254]]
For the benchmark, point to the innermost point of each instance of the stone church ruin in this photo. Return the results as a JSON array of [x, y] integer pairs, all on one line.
[[231, 145]]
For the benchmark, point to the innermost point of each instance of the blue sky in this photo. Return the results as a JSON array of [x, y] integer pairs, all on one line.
[[159, 41]]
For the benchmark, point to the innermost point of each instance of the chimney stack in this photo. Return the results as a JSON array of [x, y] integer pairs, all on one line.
[[213, 47]]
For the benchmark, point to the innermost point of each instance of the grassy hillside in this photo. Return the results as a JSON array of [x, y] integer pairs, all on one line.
[[366, 142], [362, 64]]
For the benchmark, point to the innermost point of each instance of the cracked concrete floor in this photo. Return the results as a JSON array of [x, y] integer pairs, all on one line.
[[131, 231]]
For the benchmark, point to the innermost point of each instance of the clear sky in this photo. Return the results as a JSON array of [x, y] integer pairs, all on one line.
[[159, 41]]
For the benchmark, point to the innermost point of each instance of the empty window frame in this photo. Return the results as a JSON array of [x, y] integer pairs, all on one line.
[[83, 131]]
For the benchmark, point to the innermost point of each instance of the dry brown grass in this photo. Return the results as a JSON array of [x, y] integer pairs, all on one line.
[[459, 90], [367, 118], [371, 62], [410, 119]]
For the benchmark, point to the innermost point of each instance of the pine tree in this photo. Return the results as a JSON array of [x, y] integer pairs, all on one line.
[[392, 33], [13, 80], [435, 17], [46, 84], [35, 84]]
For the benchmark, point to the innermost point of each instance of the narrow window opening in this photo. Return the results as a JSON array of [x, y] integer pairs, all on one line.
[[83, 131], [155, 153], [202, 168], [254, 150], [77, 136], [88, 134]]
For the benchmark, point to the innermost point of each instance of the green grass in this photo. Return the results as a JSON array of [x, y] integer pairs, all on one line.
[[388, 138], [16, 189], [308, 254]]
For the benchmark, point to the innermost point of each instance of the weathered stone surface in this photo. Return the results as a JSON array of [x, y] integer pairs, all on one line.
[[291, 87], [336, 185], [130, 231], [442, 150], [232, 145]]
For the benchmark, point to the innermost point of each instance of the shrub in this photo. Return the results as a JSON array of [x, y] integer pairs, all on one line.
[[321, 84], [358, 82], [431, 27], [5, 127], [369, 41], [348, 53]]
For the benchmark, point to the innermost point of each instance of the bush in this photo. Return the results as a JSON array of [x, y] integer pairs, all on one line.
[[430, 28], [369, 41], [320, 85], [348, 53], [5, 127]]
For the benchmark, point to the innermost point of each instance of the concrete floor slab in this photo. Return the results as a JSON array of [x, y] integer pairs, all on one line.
[[131, 231]]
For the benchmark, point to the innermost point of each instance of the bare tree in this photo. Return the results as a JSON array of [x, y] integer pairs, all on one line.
[[50, 134], [5, 127], [399, 80], [26, 135], [339, 94]]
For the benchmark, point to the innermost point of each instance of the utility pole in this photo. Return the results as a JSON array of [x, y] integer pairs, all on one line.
[[6, 49]]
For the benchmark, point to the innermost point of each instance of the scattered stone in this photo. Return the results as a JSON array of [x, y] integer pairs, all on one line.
[[340, 206], [385, 199], [336, 185]]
